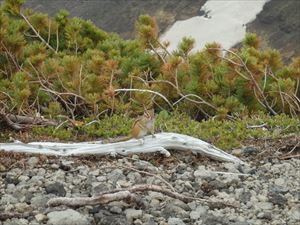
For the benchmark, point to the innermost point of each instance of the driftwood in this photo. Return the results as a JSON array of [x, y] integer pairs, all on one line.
[[162, 142]]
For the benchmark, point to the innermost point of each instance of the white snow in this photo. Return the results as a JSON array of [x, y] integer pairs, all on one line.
[[225, 22]]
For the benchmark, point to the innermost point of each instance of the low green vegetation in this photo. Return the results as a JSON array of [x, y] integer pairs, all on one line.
[[224, 134]]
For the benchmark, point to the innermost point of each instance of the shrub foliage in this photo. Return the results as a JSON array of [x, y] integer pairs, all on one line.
[[64, 66]]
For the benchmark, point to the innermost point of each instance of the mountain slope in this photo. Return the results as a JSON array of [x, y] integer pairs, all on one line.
[[279, 26], [120, 15]]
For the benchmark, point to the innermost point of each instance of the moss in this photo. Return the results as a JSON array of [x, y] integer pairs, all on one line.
[[229, 134]]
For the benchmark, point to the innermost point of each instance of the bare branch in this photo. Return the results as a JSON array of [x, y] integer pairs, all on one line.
[[37, 33], [121, 194], [146, 91]]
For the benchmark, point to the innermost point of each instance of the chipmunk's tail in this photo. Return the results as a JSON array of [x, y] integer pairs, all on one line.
[[118, 139]]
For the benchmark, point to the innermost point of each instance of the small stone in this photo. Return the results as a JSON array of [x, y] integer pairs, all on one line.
[[32, 162], [277, 199], [116, 209], [280, 181], [8, 199], [132, 214], [249, 150], [295, 214], [54, 166], [104, 217], [137, 222], [15, 221], [201, 172], [40, 217], [144, 165], [67, 217], [264, 215], [237, 152], [231, 167], [101, 178], [174, 211], [39, 201], [57, 189], [95, 172], [22, 207], [198, 212], [2, 168], [115, 176], [264, 205], [23, 178], [175, 221]]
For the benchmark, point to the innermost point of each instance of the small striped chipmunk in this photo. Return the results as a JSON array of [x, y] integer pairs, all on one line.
[[141, 127]]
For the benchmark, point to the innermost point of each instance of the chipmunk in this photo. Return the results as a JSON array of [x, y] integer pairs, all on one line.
[[141, 127]]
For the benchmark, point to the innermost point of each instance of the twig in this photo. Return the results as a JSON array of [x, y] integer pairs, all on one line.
[[150, 174], [37, 33], [147, 91], [257, 126], [289, 156]]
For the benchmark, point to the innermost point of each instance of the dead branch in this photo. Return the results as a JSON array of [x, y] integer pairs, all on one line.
[[10, 123], [120, 194], [31, 120], [147, 91], [37, 33]]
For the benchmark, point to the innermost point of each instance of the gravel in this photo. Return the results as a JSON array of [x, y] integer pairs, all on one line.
[[261, 192]]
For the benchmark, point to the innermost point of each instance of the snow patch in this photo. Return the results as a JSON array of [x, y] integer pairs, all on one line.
[[223, 21]]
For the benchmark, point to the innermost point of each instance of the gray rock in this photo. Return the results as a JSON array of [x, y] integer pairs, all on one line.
[[280, 181], [264, 205], [116, 209], [98, 187], [264, 215], [277, 199], [295, 214], [40, 217], [249, 150], [144, 165], [245, 196], [6, 199], [175, 221], [210, 219], [39, 201], [201, 172], [115, 175], [32, 162], [198, 212], [134, 177], [22, 207], [23, 178], [11, 179], [137, 222], [67, 217], [104, 217], [95, 172], [15, 221], [174, 211], [56, 188], [132, 214], [231, 167], [240, 223]]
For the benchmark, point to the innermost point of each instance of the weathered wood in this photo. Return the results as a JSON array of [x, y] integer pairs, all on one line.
[[162, 142]]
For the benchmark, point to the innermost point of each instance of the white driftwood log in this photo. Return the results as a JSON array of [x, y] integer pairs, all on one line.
[[160, 143]]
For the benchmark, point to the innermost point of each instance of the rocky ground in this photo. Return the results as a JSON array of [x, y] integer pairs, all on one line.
[[266, 191]]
